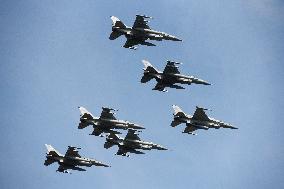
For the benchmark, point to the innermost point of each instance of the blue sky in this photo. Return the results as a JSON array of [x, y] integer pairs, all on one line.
[[55, 56]]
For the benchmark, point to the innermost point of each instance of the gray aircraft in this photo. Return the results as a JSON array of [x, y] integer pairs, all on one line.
[[139, 33], [169, 77], [71, 159], [199, 120], [105, 123], [131, 143]]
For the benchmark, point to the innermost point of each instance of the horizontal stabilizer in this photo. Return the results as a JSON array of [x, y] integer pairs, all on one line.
[[146, 78], [83, 125], [49, 161], [175, 123], [108, 145], [114, 35]]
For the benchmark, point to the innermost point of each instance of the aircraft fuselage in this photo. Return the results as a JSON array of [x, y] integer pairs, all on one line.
[[213, 123], [74, 161], [145, 34], [176, 78]]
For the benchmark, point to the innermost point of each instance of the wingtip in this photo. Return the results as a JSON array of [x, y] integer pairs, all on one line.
[[145, 62]]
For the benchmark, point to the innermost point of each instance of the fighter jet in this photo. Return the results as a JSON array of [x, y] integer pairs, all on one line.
[[131, 143], [199, 120], [71, 159], [169, 77], [139, 33], [105, 123]]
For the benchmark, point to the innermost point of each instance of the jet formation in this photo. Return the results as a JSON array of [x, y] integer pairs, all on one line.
[[139, 33], [131, 143], [169, 77], [199, 120], [106, 123], [71, 160]]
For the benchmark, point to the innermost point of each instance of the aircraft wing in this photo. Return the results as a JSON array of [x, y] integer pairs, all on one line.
[[171, 68], [62, 168], [121, 151], [72, 151], [107, 114], [97, 131], [131, 42], [131, 135], [200, 115], [159, 86], [141, 22], [189, 129]]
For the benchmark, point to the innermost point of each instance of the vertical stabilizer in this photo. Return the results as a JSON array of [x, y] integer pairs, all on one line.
[[51, 151], [117, 23], [84, 112], [149, 71], [149, 67], [178, 111]]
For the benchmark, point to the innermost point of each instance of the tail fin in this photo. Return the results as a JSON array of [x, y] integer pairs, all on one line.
[[178, 111], [113, 136], [85, 113], [148, 68], [117, 23], [51, 151]]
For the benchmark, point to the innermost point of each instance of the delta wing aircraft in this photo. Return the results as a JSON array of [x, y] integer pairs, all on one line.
[[131, 143], [139, 33], [169, 77], [71, 160], [105, 123], [199, 120]]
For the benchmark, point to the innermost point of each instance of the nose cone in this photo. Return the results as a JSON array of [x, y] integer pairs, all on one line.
[[199, 81], [136, 126], [105, 165], [174, 38], [162, 148], [206, 83], [226, 125], [234, 127], [159, 147], [97, 163]]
